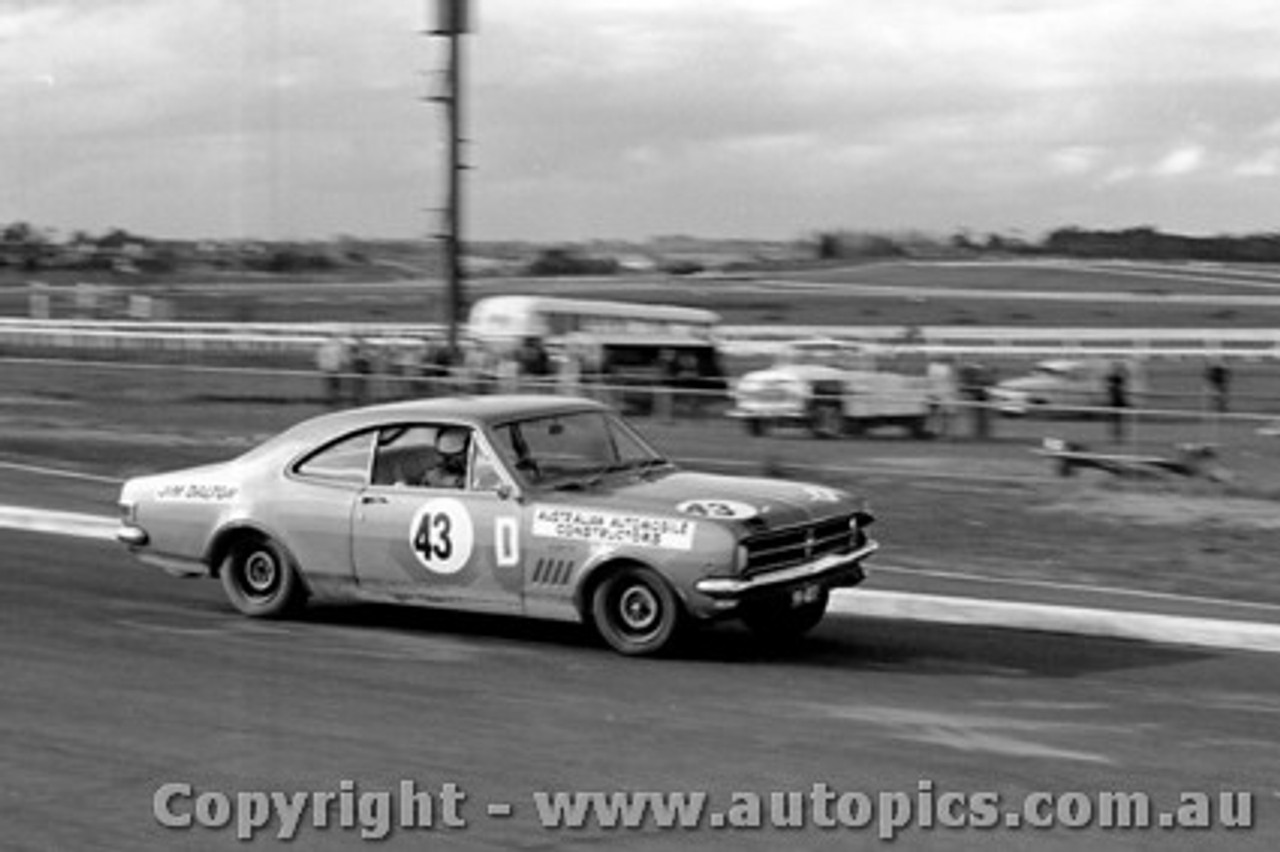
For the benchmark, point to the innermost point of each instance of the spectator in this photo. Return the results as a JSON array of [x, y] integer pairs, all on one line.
[[1217, 379], [361, 366], [975, 379], [436, 368], [945, 393], [534, 363], [665, 375], [463, 376], [409, 359], [569, 374], [689, 391], [1118, 399], [331, 360], [507, 372], [592, 367]]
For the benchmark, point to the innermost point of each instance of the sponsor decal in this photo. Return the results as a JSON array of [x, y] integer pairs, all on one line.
[[200, 492], [506, 541], [731, 510], [612, 528], [442, 536]]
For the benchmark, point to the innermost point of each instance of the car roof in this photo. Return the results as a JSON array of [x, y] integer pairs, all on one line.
[[473, 410]]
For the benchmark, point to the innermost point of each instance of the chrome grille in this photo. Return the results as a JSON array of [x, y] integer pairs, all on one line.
[[783, 548]]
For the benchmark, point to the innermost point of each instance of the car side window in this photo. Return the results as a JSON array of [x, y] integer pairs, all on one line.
[[344, 461], [422, 455]]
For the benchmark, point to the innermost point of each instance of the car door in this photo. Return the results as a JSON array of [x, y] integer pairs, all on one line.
[[445, 545]]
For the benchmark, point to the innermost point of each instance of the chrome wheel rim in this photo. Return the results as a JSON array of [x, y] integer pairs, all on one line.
[[261, 572], [639, 609]]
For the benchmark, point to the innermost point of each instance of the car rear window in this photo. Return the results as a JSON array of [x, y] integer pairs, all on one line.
[[347, 460]]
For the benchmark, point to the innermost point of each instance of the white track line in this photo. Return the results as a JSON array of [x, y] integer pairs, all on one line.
[[59, 472], [75, 524]]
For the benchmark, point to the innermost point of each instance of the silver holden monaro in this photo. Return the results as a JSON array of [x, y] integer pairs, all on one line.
[[543, 506]]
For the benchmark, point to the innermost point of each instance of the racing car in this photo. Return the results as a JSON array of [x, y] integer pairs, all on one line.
[[540, 506]]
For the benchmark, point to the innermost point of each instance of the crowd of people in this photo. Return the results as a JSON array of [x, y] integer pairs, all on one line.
[[357, 371]]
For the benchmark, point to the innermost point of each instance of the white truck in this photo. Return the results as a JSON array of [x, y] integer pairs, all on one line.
[[834, 388]]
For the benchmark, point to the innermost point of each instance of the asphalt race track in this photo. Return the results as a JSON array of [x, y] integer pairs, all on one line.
[[118, 679]]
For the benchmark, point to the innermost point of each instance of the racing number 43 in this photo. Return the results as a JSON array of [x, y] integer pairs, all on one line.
[[433, 540], [442, 536]]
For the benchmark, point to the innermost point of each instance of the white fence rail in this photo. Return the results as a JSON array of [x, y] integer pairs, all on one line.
[[303, 338]]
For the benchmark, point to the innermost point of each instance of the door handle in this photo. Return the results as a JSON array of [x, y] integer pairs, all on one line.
[[370, 499]]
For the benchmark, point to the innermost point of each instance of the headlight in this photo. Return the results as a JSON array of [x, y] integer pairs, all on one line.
[[129, 512], [740, 558]]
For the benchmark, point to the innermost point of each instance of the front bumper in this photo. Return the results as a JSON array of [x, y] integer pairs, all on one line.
[[131, 535], [769, 411], [1011, 403], [837, 569]]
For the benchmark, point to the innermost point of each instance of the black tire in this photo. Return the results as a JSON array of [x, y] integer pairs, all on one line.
[[920, 427], [779, 622], [827, 420], [636, 612], [756, 426], [260, 579]]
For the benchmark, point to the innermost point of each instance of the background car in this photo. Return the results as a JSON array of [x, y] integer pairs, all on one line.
[[832, 388], [541, 506], [1065, 386]]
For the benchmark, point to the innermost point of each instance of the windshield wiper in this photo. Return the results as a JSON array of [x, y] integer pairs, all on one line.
[[590, 479], [647, 466]]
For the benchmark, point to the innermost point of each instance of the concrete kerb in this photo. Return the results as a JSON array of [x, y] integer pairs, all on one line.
[[872, 603], [1052, 618]]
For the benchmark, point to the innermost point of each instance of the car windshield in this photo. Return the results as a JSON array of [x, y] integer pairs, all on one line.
[[574, 450], [831, 353], [1053, 370]]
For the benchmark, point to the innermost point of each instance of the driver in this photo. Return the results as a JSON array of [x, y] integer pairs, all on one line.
[[450, 469]]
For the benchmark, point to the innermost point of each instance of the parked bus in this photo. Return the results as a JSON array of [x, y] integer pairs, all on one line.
[[630, 345]]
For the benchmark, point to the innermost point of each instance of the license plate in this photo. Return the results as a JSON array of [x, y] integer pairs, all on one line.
[[805, 594]]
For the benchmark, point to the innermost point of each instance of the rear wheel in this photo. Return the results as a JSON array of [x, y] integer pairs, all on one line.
[[260, 579], [756, 426], [780, 622], [635, 611]]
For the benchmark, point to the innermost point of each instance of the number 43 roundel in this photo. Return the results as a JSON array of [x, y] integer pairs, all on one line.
[[442, 535]]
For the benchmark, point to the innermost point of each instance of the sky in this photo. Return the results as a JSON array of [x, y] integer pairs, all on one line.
[[627, 119]]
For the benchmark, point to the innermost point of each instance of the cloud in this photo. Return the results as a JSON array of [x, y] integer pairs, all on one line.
[[1075, 160], [1180, 161], [1266, 164], [588, 117]]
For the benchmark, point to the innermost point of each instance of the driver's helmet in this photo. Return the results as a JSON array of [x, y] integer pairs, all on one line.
[[451, 442]]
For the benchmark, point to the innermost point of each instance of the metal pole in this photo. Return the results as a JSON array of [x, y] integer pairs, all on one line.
[[453, 239]]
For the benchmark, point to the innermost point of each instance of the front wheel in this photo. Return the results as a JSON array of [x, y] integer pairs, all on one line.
[[780, 623], [260, 579], [756, 426], [635, 611]]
